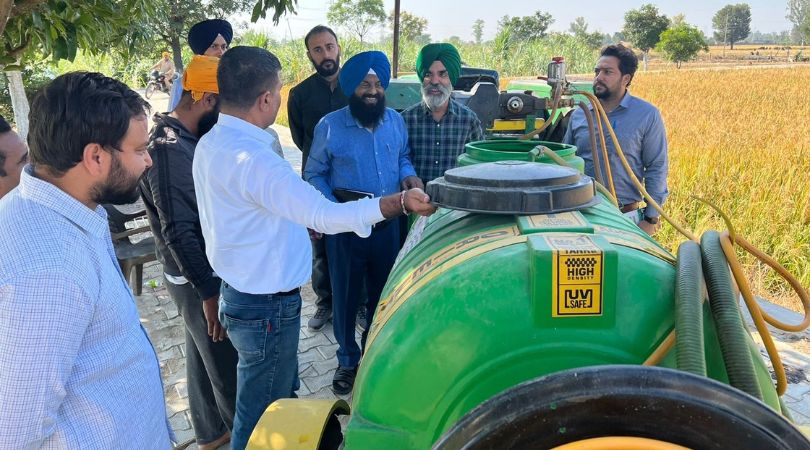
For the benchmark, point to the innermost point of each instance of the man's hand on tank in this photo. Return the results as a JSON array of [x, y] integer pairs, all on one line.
[[413, 182], [416, 201]]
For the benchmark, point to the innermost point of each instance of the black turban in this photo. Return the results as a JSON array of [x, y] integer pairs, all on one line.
[[202, 34]]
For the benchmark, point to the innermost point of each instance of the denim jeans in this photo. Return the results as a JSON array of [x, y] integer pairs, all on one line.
[[264, 329]]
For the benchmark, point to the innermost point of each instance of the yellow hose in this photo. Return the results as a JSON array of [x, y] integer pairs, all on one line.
[[756, 313], [726, 240], [603, 115], [555, 100], [561, 162], [620, 443]]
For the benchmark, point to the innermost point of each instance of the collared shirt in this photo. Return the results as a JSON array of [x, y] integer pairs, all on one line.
[[309, 101], [77, 370], [640, 130], [435, 146], [345, 155], [177, 92], [255, 210]]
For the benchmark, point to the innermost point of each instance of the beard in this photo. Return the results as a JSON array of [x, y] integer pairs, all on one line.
[[208, 120], [367, 115], [120, 187], [327, 67], [604, 93], [434, 101]]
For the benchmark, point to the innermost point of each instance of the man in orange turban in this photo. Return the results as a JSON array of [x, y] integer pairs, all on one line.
[[165, 68], [168, 193]]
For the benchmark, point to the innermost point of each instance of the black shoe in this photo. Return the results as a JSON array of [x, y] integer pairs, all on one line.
[[343, 382], [362, 322], [322, 317]]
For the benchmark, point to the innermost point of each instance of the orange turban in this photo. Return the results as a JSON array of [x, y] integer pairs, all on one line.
[[201, 76]]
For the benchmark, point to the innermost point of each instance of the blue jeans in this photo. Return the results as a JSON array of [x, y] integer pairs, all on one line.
[[264, 330]]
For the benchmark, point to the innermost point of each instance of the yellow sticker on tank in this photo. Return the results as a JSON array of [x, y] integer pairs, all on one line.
[[576, 269]]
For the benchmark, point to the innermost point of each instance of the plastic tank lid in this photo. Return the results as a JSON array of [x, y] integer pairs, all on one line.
[[513, 187]]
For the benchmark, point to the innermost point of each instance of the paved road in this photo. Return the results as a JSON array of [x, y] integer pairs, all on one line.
[[316, 351]]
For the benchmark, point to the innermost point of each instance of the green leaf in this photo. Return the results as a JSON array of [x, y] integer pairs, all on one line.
[[258, 11]]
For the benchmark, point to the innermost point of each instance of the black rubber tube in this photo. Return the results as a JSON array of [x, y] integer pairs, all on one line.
[[727, 318], [691, 353]]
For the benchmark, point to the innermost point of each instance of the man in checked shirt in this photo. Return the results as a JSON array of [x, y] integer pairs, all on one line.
[[438, 126]]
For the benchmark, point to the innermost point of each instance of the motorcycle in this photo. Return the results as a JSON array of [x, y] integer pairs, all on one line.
[[157, 82]]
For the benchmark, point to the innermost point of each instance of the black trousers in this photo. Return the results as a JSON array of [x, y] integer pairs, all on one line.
[[210, 369], [321, 283]]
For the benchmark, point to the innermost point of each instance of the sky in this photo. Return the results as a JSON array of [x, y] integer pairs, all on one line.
[[455, 18]]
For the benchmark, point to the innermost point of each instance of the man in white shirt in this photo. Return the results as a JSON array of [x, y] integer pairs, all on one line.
[[255, 211]]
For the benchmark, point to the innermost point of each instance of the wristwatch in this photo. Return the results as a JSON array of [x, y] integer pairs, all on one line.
[[652, 220]]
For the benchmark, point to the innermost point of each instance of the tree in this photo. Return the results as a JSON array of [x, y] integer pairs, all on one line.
[[579, 28], [799, 15], [682, 43], [357, 16], [411, 27], [478, 30], [527, 28], [643, 28], [37, 29], [48, 28], [676, 20], [732, 23]]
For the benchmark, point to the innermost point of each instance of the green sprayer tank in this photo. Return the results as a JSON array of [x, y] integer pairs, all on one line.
[[530, 330]]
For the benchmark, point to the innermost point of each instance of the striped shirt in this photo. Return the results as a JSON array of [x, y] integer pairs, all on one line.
[[435, 146], [77, 370]]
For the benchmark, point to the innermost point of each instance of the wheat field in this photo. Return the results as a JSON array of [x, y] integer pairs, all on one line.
[[740, 138]]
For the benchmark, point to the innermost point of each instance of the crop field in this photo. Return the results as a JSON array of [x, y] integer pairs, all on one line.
[[741, 139]]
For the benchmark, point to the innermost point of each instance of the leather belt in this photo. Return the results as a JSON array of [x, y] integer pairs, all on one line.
[[630, 207]]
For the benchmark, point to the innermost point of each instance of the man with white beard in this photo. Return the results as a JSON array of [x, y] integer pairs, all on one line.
[[438, 126]]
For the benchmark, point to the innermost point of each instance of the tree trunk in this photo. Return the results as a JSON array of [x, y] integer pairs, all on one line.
[[177, 52], [19, 102], [646, 58], [732, 45]]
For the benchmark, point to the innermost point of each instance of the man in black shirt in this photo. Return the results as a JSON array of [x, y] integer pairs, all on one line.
[[308, 102], [167, 189]]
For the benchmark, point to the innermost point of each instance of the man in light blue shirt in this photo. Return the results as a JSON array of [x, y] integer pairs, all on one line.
[[255, 211], [77, 368], [360, 150], [640, 130]]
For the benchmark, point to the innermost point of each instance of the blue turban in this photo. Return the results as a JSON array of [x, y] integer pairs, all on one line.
[[202, 34], [354, 71]]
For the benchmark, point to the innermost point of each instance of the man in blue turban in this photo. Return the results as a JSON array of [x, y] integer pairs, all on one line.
[[358, 151], [209, 38]]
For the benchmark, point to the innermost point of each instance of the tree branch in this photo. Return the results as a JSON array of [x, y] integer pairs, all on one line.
[[23, 7]]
